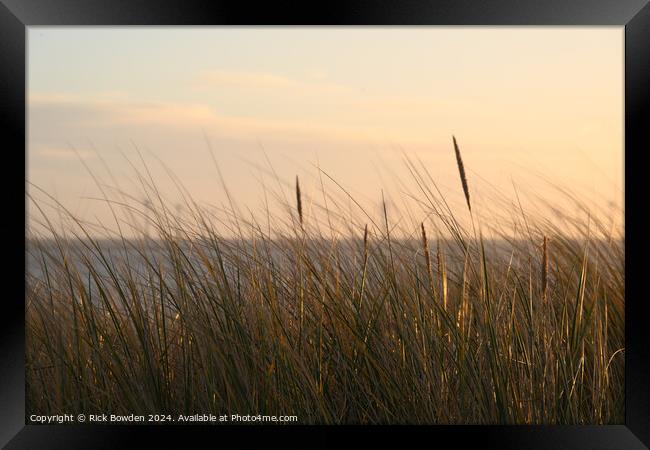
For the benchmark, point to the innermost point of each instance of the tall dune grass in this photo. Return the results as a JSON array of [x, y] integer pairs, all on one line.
[[347, 323]]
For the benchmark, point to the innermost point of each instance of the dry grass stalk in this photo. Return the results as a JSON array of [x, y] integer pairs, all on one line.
[[365, 264], [365, 243], [461, 170], [545, 268], [443, 275], [427, 257]]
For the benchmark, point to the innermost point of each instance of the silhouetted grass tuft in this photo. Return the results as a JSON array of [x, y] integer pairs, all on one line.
[[213, 312]]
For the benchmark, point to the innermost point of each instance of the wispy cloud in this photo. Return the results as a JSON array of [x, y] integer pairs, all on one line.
[[65, 115], [353, 99], [269, 82]]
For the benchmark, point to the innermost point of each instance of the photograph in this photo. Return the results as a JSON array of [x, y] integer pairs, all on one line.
[[325, 225]]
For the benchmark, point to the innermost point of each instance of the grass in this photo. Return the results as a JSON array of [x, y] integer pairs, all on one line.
[[342, 319]]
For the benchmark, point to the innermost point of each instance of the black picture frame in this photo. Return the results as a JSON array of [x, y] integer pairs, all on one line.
[[17, 15]]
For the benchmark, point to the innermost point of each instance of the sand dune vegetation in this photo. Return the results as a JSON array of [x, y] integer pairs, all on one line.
[[336, 318]]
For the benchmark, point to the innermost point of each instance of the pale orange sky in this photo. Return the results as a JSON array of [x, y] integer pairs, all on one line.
[[522, 102]]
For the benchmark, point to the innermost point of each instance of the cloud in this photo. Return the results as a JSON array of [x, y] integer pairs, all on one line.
[[269, 83], [352, 100], [256, 105], [65, 116]]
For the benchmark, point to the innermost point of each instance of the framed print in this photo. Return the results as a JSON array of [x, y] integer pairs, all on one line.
[[352, 222]]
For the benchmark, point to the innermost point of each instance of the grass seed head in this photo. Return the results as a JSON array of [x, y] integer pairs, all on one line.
[[299, 201], [461, 171]]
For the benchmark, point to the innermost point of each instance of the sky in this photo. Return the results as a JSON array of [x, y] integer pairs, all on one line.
[[528, 106]]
